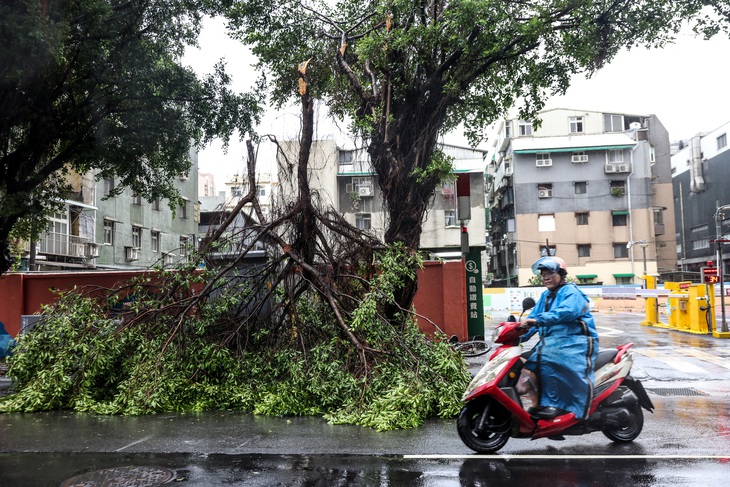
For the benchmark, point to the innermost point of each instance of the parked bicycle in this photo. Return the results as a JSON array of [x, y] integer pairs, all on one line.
[[470, 348]]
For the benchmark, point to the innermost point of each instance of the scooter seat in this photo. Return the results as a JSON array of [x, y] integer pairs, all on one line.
[[604, 357]]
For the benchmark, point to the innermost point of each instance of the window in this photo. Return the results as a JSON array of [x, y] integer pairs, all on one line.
[[237, 191], [156, 204], [508, 129], [615, 155], [623, 279], [450, 218], [108, 232], [344, 157], [721, 141], [546, 250], [620, 250], [620, 218], [261, 191], [584, 250], [362, 221], [545, 190], [580, 187], [184, 208], [579, 157], [576, 125], [363, 186], [108, 186], [700, 229], [581, 218], [136, 237], [703, 243], [612, 123], [543, 160], [451, 207], [137, 200], [155, 241], [184, 244], [546, 223], [618, 188], [524, 128], [652, 154]]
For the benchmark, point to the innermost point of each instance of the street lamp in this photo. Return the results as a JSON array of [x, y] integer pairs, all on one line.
[[643, 245], [720, 264]]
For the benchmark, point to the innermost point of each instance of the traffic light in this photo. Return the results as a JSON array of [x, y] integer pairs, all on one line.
[[710, 275]]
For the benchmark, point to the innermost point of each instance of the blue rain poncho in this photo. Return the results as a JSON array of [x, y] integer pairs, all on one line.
[[564, 357]]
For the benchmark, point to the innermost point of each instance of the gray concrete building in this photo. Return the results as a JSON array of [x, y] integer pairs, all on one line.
[[591, 187], [97, 231], [700, 171]]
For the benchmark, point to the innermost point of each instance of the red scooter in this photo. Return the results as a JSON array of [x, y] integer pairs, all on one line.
[[493, 411]]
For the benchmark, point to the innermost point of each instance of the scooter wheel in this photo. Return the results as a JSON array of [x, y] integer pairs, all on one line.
[[484, 425], [630, 430]]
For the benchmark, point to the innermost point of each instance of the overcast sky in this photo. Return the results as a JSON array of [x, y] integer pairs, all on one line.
[[685, 85]]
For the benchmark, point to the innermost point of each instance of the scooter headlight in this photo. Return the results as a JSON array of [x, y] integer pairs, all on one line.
[[487, 374], [497, 331]]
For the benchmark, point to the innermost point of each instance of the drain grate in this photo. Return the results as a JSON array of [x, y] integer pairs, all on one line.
[[122, 476], [676, 391]]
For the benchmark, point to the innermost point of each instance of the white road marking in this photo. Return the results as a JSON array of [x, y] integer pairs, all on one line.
[[134, 443], [672, 361], [568, 457], [605, 331], [707, 357]]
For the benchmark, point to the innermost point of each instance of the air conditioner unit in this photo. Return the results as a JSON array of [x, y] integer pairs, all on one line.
[[544, 193], [92, 250], [81, 250], [579, 159], [610, 168], [624, 167], [169, 259], [544, 162], [131, 253], [365, 191]]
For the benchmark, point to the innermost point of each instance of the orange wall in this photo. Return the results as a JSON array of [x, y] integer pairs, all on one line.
[[23, 294], [441, 297], [441, 294]]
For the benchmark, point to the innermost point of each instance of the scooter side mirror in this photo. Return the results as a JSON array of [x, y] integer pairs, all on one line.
[[527, 303]]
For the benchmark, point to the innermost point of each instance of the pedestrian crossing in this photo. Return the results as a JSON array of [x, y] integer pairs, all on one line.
[[686, 360]]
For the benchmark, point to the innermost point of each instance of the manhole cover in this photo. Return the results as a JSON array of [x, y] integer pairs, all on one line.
[[676, 391], [122, 477]]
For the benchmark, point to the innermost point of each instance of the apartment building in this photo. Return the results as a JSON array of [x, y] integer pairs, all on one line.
[[700, 171], [98, 230], [591, 187], [344, 179]]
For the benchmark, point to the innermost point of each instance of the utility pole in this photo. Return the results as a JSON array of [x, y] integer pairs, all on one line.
[[720, 263], [506, 257]]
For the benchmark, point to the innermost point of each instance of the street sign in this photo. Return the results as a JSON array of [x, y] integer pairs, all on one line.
[[710, 275]]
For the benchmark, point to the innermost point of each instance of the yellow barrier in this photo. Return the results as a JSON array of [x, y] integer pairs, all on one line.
[[690, 307]]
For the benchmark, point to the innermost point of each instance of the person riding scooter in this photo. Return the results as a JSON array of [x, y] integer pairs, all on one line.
[[564, 357]]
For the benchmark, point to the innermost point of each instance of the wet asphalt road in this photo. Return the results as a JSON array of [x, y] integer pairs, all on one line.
[[685, 442]]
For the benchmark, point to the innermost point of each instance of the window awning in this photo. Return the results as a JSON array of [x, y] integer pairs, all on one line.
[[620, 212], [586, 276], [624, 274]]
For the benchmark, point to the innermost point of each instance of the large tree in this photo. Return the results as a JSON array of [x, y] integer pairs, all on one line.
[[407, 71], [98, 84]]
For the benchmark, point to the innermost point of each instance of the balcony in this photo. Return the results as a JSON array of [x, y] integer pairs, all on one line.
[[64, 245]]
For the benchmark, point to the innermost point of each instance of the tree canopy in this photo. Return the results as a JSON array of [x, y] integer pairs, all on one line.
[[98, 84], [407, 71]]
